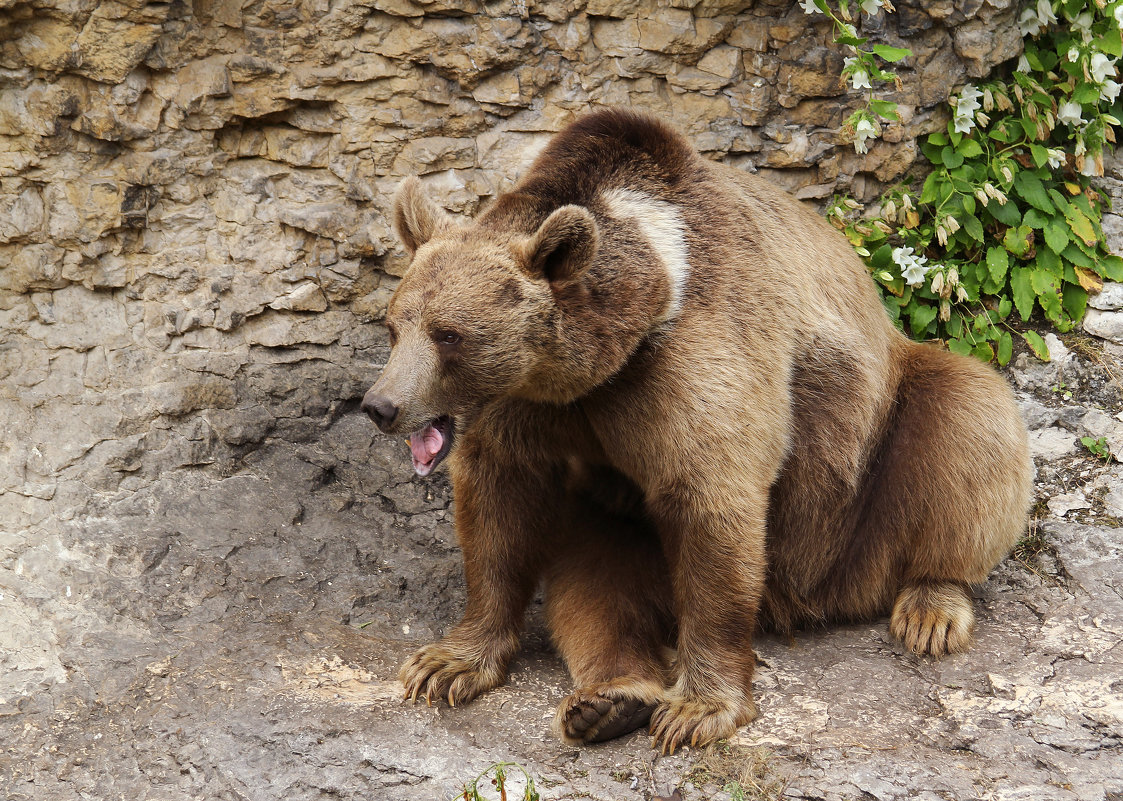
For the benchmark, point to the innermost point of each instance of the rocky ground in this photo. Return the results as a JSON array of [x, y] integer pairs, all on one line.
[[233, 631]]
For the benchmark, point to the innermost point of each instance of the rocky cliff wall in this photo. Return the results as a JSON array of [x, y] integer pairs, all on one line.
[[193, 232]]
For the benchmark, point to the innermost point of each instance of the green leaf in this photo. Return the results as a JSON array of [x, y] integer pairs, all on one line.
[[1056, 236], [983, 352], [1004, 307], [970, 148], [1086, 93], [1001, 132], [955, 325], [1076, 256], [891, 54], [1029, 187], [894, 310], [960, 346], [882, 257], [1081, 200], [884, 108], [963, 176], [998, 263], [1043, 281], [1048, 260], [951, 158], [875, 235], [1005, 348], [853, 41], [1111, 42], [1040, 155], [921, 317], [1035, 219], [1012, 129], [972, 227], [1007, 213], [1037, 345], [1016, 240], [1075, 300], [930, 192], [938, 138], [1045, 286], [894, 285], [1022, 290], [1112, 268]]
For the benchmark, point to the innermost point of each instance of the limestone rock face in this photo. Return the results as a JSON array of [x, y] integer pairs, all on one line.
[[201, 190]]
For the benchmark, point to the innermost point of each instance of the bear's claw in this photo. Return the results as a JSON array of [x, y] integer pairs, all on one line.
[[933, 618], [694, 722], [437, 672]]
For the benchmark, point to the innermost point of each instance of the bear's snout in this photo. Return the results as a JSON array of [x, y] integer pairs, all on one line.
[[381, 410]]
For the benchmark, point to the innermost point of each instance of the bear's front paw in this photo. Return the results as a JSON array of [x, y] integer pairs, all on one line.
[[440, 670], [697, 721]]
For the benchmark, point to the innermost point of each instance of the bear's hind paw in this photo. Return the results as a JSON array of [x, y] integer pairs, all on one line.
[[604, 711], [933, 618]]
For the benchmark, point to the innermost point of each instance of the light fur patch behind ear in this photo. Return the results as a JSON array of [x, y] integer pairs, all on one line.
[[663, 227], [564, 245], [417, 219]]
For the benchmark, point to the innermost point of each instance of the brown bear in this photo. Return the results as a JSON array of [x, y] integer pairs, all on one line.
[[669, 391]]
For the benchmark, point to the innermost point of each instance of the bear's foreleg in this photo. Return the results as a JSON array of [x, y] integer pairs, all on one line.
[[716, 549], [608, 603], [499, 514]]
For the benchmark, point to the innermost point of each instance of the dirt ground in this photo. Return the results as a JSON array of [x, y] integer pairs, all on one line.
[[233, 632]]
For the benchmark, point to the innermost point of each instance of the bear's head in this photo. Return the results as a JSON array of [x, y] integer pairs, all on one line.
[[477, 318]]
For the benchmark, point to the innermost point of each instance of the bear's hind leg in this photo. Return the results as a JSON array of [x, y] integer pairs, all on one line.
[[608, 605], [956, 482]]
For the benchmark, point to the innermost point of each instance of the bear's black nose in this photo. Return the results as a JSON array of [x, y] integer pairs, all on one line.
[[381, 410]]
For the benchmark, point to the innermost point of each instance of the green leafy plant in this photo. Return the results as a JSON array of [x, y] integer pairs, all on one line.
[[497, 777], [1007, 221], [1062, 390], [1097, 447]]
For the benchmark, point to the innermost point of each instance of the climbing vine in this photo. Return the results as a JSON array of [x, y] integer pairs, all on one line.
[[864, 67], [1008, 221]]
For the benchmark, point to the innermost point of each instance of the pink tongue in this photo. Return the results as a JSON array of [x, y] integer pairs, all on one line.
[[425, 445]]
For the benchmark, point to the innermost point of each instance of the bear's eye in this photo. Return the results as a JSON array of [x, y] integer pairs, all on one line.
[[447, 337]]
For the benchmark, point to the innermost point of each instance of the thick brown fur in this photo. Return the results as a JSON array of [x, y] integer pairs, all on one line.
[[678, 402]]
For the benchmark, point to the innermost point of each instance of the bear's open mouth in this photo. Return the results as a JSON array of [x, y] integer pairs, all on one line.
[[431, 444]]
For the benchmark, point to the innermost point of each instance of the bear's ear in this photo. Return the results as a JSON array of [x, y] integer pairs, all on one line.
[[564, 245], [417, 219]]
